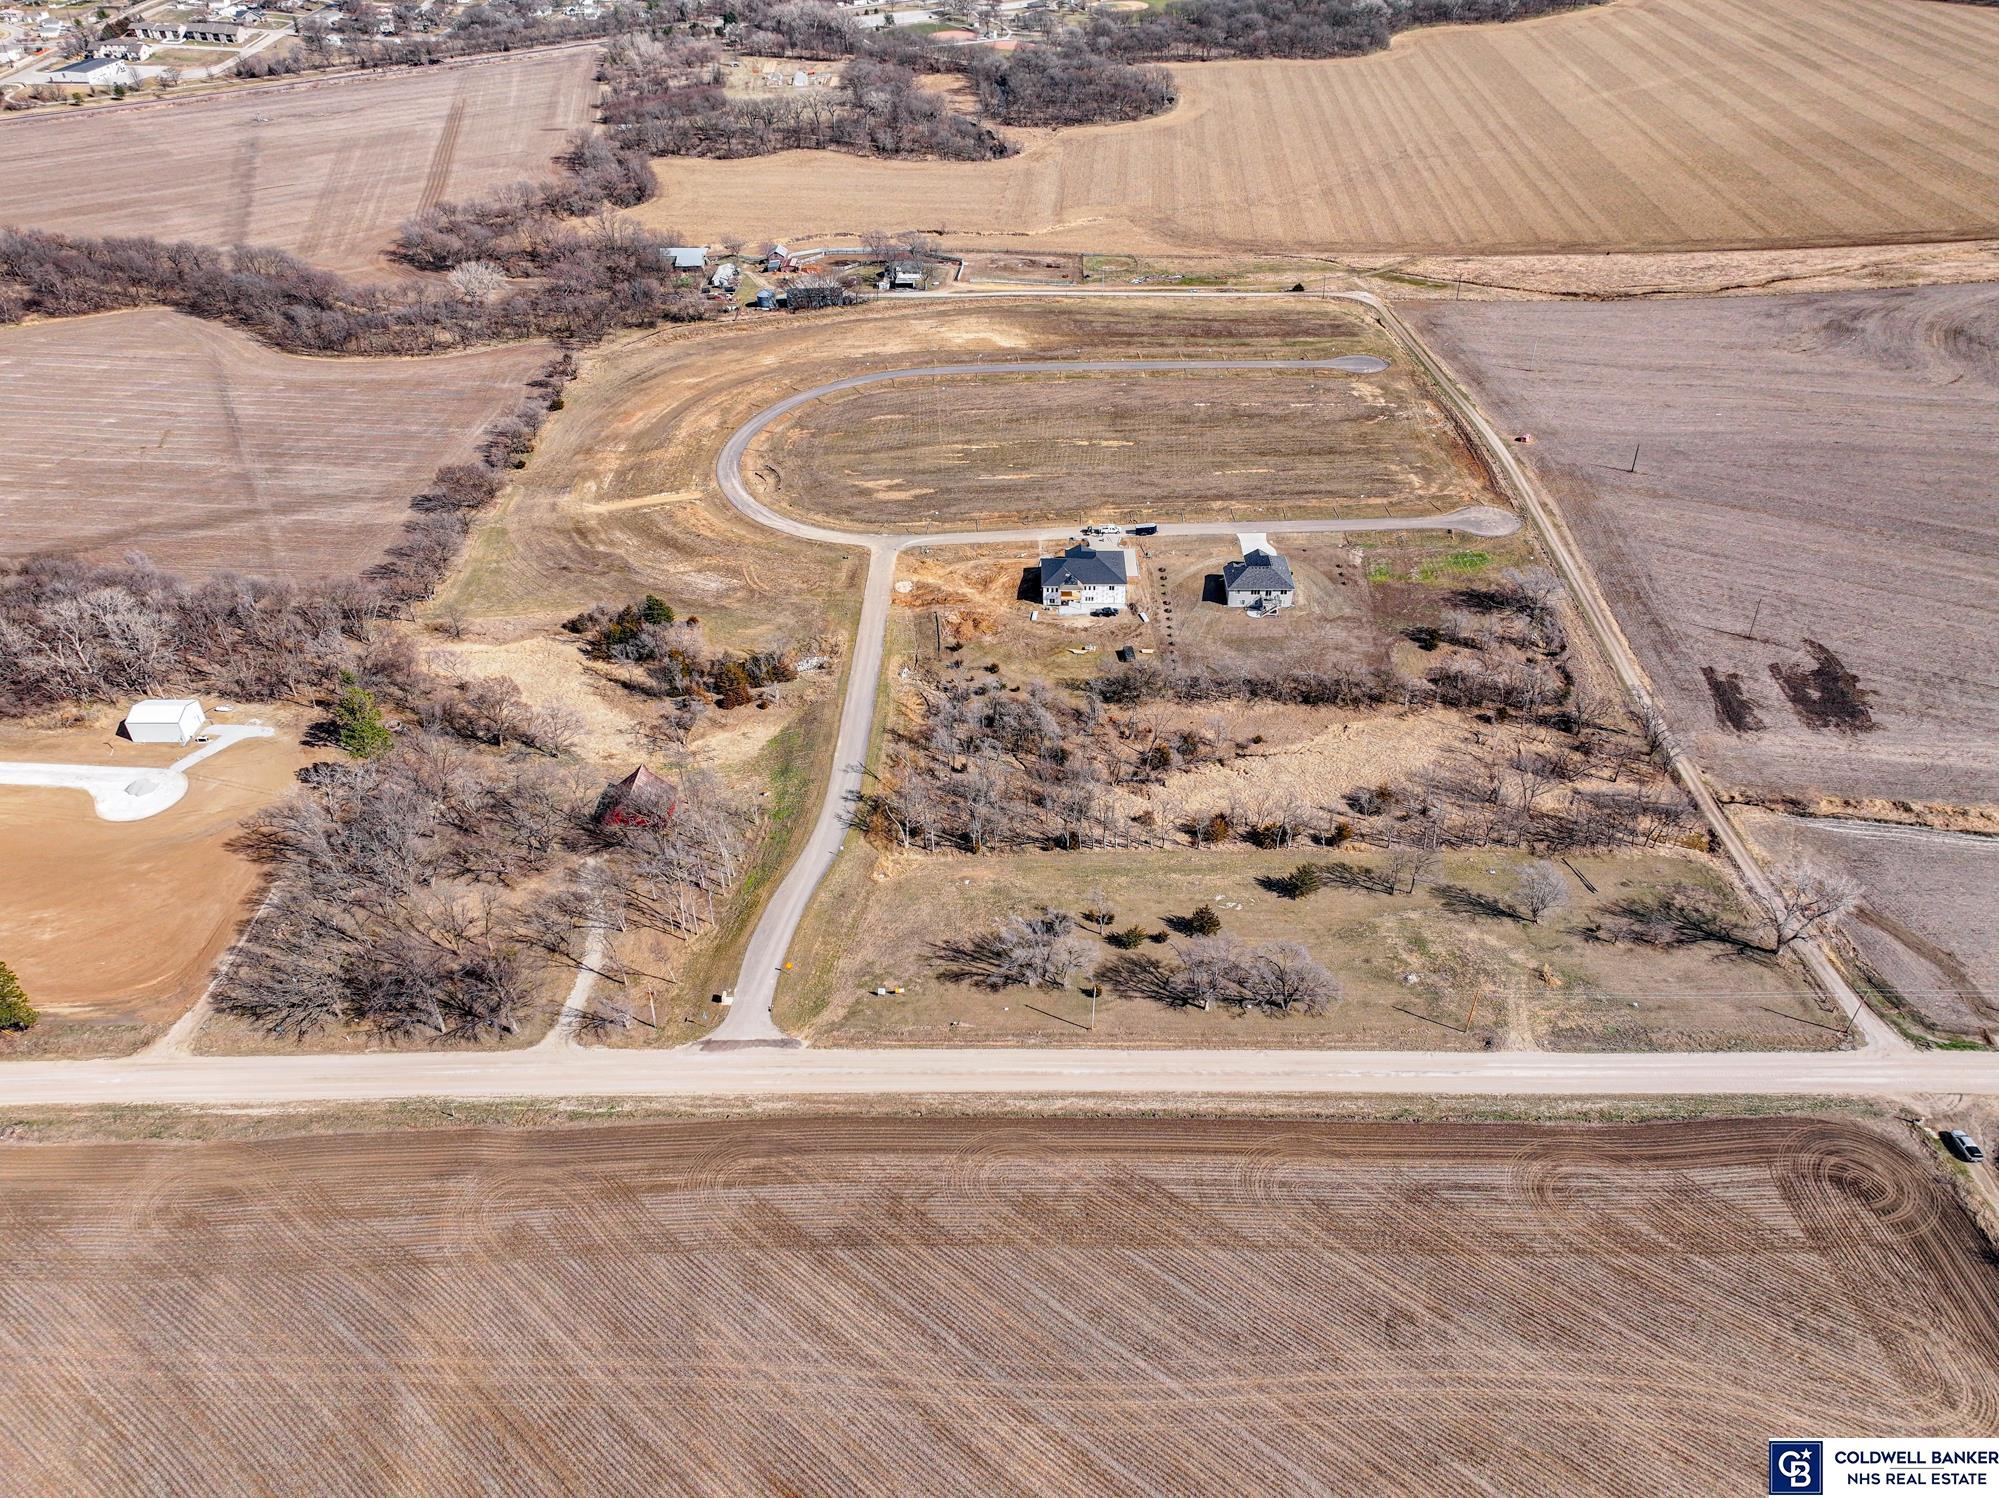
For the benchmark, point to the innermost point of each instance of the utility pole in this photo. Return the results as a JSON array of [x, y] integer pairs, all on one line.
[[1634, 457], [1754, 617]]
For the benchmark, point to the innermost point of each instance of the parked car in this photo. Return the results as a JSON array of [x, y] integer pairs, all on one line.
[[1962, 1145], [1103, 530], [1105, 613]]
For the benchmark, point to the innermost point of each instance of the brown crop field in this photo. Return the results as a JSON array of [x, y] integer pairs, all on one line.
[[1805, 558], [326, 170], [954, 1306], [1643, 125], [1006, 449], [149, 431]]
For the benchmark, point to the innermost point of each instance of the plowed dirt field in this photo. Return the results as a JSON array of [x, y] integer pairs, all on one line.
[[1805, 557], [1646, 124], [953, 1307], [327, 170], [149, 431]]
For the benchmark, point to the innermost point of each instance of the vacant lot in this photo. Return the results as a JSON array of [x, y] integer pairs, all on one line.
[[327, 170], [1805, 558], [113, 926], [1444, 969], [149, 431], [998, 450], [971, 1307], [1929, 924], [1648, 124]]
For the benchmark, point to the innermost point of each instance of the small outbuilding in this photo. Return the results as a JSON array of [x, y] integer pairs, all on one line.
[[641, 799], [1260, 582], [165, 720], [686, 257]]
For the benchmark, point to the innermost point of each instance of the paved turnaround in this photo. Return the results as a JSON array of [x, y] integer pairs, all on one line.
[[749, 1018]]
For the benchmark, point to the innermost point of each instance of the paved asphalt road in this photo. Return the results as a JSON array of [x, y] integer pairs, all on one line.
[[749, 1017]]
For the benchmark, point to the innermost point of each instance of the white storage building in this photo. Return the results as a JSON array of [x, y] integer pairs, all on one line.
[[165, 720]]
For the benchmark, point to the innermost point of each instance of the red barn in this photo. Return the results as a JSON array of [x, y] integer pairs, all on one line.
[[641, 799]]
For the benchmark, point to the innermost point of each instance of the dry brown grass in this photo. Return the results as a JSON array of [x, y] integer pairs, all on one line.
[[1002, 450], [149, 431], [976, 1306], [1479, 978], [1648, 124], [327, 170], [114, 926]]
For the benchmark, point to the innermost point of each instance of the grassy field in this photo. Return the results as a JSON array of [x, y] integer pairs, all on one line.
[[1642, 125], [1433, 971], [327, 171], [149, 431], [1811, 470], [1000, 450], [881, 1304]]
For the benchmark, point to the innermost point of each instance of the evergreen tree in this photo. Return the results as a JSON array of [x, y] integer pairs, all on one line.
[[363, 734], [16, 1013], [656, 610]]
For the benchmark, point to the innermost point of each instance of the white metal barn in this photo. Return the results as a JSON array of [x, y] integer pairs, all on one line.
[[165, 720]]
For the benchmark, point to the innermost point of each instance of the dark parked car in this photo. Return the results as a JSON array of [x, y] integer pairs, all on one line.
[[1962, 1145], [1106, 613]]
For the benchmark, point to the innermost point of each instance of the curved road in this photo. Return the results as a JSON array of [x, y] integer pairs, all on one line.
[[749, 1019]]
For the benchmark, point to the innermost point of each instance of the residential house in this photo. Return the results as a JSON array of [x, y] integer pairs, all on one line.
[[902, 275], [1083, 579], [124, 48], [1261, 582]]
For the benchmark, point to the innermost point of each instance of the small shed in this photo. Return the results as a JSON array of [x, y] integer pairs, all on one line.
[[164, 720], [641, 799]]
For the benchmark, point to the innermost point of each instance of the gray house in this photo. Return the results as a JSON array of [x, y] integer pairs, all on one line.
[[1083, 578], [1260, 582], [902, 275]]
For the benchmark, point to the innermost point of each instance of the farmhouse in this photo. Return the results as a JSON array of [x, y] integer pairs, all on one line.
[[641, 799], [1083, 578], [1261, 582], [902, 275], [164, 720]]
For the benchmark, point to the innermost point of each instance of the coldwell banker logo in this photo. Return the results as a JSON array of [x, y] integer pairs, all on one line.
[[1797, 1467]]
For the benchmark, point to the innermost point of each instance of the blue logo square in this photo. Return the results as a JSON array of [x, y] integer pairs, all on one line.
[[1797, 1467]]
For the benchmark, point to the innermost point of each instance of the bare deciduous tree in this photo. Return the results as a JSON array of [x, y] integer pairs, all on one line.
[[1808, 900], [1540, 890]]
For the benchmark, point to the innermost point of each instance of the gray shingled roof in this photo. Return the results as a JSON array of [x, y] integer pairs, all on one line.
[[1082, 567], [1259, 572]]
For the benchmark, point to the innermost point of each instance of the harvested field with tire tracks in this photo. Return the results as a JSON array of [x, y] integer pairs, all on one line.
[[1641, 125], [1805, 558], [326, 170], [186, 440], [954, 1306]]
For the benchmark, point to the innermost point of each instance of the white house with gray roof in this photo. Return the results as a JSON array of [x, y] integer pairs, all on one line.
[[1260, 581], [1084, 578]]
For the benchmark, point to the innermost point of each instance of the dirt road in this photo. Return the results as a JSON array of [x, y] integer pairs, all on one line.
[[763, 1071]]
